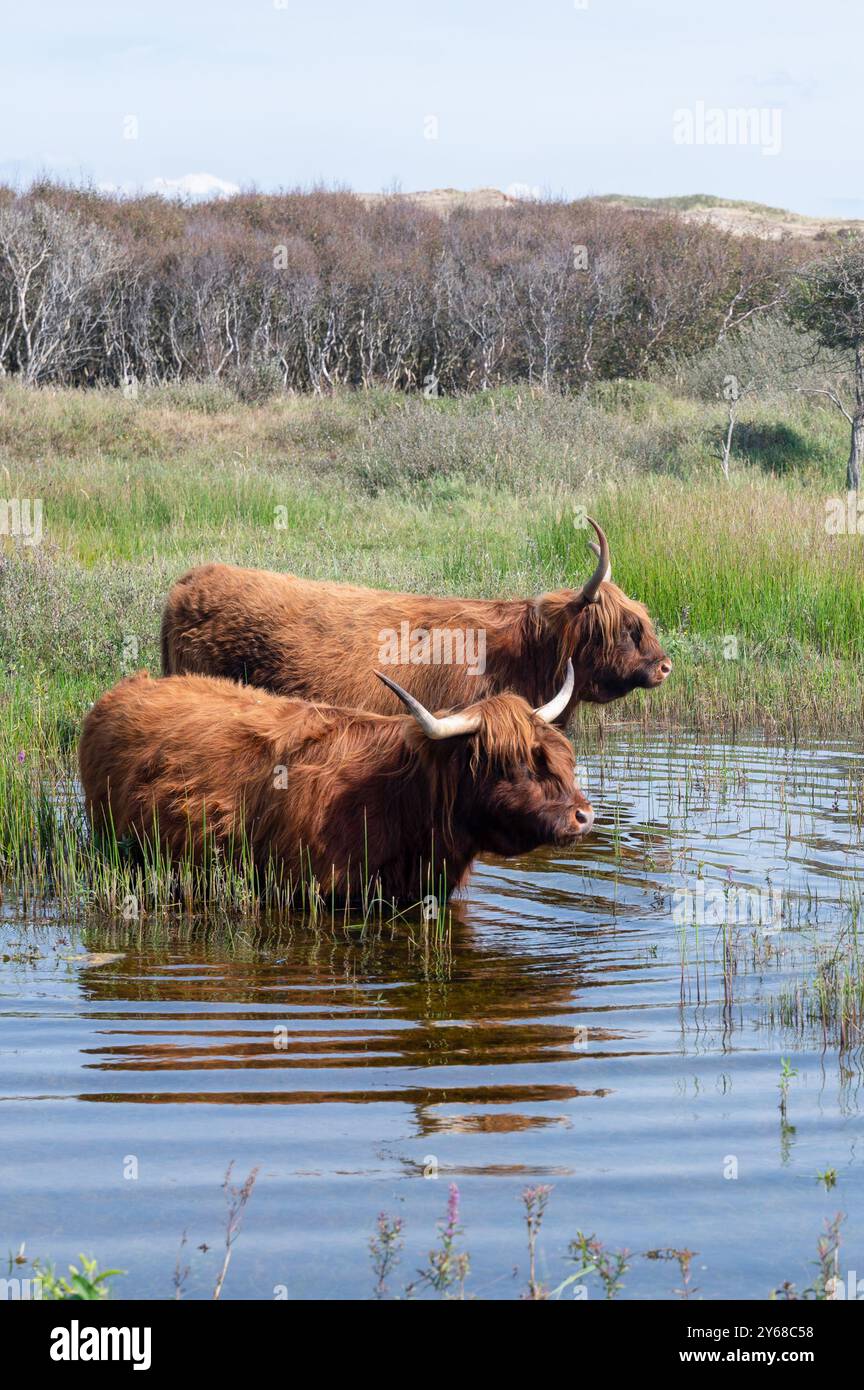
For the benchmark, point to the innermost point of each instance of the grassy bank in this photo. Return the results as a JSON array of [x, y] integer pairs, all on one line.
[[761, 610]]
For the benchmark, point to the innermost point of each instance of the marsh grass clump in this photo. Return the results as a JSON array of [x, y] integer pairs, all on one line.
[[825, 1284], [830, 1001]]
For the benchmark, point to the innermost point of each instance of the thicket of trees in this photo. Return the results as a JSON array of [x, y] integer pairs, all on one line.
[[827, 300], [310, 290]]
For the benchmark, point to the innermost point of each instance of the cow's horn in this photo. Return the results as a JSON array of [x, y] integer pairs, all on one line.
[[559, 702], [447, 727], [603, 572]]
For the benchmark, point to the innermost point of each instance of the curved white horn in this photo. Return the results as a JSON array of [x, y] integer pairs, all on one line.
[[559, 702], [603, 573], [447, 727]]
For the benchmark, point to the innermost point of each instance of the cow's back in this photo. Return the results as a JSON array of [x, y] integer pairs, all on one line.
[[311, 639], [220, 620], [173, 747]]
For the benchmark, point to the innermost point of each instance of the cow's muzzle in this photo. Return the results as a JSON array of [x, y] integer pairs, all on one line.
[[577, 824], [658, 672]]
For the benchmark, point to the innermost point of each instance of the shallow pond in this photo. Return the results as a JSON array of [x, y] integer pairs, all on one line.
[[583, 1030]]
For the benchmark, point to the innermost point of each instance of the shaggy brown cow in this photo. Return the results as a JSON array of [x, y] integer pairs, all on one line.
[[322, 641], [342, 795]]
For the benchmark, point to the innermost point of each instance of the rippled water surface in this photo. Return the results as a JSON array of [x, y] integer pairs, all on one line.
[[576, 1033]]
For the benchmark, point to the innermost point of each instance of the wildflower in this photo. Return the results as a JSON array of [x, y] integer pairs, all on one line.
[[451, 1227]]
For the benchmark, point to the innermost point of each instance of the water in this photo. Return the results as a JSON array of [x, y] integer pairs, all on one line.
[[574, 1035]]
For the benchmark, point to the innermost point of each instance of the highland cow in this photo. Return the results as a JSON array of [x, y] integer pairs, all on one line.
[[344, 797], [322, 641]]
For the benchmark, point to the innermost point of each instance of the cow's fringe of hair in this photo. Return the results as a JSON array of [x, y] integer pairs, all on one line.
[[506, 733], [600, 621], [604, 618], [505, 739]]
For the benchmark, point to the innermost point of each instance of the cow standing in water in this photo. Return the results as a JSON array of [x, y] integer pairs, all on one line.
[[403, 803], [322, 641]]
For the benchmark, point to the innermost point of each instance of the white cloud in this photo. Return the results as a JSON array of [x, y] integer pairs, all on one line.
[[195, 186]]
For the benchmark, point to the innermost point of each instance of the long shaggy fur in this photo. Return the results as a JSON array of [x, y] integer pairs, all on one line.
[[337, 794], [323, 641]]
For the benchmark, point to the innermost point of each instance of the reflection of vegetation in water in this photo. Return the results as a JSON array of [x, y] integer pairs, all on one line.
[[830, 1001], [760, 919], [787, 1131], [826, 998]]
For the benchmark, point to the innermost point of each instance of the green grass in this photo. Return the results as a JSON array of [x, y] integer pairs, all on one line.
[[761, 610]]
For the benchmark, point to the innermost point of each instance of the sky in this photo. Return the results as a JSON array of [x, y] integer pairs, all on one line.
[[554, 97]]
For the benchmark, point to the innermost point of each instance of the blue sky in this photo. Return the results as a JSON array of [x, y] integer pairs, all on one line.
[[546, 96]]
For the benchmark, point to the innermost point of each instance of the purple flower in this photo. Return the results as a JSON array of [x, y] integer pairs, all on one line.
[[21, 756], [453, 1210]]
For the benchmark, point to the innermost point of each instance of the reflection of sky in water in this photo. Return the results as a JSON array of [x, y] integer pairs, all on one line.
[[672, 814], [579, 1036]]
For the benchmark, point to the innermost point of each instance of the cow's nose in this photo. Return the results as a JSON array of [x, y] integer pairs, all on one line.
[[585, 819], [664, 667]]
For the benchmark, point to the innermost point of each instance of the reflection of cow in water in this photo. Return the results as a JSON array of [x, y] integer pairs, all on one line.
[[472, 1040], [323, 641]]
